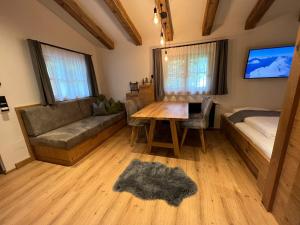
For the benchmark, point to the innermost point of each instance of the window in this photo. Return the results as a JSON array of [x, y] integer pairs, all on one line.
[[175, 79], [189, 69], [68, 73]]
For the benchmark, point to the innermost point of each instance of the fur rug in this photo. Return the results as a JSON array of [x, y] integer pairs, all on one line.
[[153, 180]]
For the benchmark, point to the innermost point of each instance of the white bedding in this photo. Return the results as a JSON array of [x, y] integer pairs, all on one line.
[[263, 143], [265, 125], [261, 130]]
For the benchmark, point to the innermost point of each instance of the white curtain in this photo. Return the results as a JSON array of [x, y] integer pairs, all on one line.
[[68, 73], [189, 69]]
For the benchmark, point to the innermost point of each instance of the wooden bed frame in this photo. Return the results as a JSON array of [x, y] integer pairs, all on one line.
[[251, 154]]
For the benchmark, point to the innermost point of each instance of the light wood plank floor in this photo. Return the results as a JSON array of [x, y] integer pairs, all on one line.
[[42, 193]]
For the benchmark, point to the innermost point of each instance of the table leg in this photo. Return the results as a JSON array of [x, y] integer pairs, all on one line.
[[151, 134], [175, 137], [134, 131]]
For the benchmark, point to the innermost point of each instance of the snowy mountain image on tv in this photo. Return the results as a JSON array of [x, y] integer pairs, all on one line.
[[269, 62]]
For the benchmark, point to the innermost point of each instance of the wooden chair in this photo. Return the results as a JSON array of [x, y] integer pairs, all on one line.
[[136, 125], [199, 121]]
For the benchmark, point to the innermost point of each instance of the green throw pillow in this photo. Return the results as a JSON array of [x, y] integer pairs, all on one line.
[[101, 98], [111, 101], [122, 106], [116, 107]]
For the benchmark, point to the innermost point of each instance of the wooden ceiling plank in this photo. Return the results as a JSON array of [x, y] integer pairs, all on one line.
[[168, 29], [257, 13], [72, 8], [209, 16], [120, 13]]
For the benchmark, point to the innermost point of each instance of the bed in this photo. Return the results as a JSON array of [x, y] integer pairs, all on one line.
[[253, 138]]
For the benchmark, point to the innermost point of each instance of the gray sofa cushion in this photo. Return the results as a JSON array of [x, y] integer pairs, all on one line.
[[86, 106], [41, 119], [70, 135], [111, 119]]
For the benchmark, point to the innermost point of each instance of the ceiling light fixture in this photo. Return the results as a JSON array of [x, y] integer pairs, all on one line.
[[162, 40], [166, 55], [163, 20], [155, 18], [166, 52]]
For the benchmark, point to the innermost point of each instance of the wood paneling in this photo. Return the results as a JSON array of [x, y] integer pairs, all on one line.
[[282, 193], [257, 13], [209, 16], [168, 29], [44, 193], [286, 206], [71, 7], [120, 13], [255, 160], [284, 128]]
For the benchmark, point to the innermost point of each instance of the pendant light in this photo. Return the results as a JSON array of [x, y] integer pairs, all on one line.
[[155, 18], [166, 56], [162, 40], [162, 15], [166, 52]]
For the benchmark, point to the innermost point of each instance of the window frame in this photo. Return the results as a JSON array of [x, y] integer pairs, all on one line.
[[186, 64], [90, 80]]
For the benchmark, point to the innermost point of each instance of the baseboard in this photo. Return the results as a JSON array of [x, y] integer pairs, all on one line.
[[23, 162], [7, 172]]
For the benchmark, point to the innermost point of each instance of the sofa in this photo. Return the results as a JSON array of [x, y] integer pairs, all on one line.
[[66, 132]]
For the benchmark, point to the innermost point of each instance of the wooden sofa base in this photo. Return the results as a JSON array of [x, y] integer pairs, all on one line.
[[250, 153], [69, 157]]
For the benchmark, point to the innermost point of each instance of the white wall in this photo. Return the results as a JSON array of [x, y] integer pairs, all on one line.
[[20, 20], [132, 63]]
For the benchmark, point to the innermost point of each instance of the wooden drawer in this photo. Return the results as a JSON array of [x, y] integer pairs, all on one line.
[[251, 154]]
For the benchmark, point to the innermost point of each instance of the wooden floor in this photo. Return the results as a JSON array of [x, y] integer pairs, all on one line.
[[42, 193]]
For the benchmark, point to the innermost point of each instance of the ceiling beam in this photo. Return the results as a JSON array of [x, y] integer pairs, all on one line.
[[71, 7], [209, 16], [168, 29], [257, 13], [120, 13]]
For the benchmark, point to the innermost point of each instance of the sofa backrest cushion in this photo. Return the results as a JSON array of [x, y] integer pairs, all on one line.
[[86, 106], [41, 119]]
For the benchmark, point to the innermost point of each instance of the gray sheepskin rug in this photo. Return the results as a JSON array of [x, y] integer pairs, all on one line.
[[153, 180]]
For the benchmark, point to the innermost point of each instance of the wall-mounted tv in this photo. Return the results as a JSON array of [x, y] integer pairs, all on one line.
[[269, 62]]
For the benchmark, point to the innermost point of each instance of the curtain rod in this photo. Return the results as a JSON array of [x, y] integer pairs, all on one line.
[[199, 43], [63, 48]]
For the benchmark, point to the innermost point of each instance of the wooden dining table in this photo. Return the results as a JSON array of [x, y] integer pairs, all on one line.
[[170, 111]]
